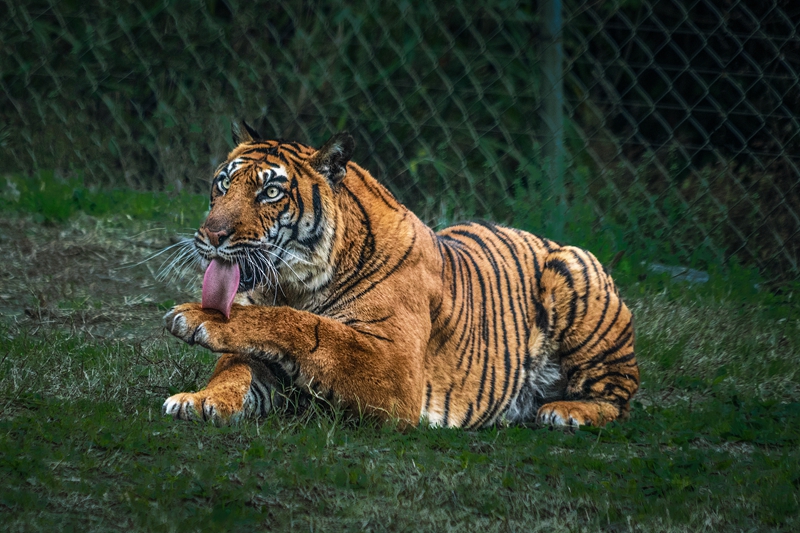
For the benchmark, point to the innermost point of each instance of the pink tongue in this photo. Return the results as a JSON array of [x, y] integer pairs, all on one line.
[[219, 286]]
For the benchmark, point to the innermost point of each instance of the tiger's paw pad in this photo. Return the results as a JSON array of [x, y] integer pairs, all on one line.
[[568, 414], [200, 406]]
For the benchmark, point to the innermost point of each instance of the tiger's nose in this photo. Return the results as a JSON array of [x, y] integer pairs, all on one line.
[[217, 237]]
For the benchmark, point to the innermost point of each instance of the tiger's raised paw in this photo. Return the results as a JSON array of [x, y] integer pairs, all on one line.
[[195, 325], [575, 414], [202, 405]]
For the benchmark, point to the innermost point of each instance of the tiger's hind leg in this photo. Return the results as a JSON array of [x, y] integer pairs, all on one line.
[[592, 332], [239, 387]]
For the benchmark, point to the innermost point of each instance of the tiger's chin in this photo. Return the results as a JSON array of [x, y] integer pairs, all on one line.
[[285, 291]]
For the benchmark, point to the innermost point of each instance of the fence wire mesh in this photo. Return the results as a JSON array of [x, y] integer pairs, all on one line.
[[667, 128]]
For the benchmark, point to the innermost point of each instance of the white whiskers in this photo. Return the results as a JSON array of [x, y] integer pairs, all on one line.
[[288, 265], [181, 260], [287, 252], [260, 264]]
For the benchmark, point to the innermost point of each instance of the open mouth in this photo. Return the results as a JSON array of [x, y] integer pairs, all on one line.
[[250, 277]]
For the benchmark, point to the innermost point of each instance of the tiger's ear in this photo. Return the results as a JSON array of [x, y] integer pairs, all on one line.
[[243, 133], [331, 160]]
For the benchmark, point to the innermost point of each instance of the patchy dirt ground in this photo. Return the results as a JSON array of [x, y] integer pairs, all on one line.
[[99, 276]]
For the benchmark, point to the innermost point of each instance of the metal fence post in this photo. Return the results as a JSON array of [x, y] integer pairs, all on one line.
[[553, 112]]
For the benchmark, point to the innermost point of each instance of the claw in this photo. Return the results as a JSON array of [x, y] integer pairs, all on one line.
[[184, 407]]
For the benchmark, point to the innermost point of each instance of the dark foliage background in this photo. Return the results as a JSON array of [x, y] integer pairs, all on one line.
[[680, 116]]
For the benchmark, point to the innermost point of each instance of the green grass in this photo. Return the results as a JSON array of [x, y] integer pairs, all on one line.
[[53, 200], [713, 442], [83, 446]]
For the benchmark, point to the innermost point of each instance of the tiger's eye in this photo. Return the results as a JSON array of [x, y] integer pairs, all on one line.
[[272, 192], [226, 183]]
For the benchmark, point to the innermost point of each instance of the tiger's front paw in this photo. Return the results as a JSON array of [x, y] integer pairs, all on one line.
[[195, 325], [204, 405]]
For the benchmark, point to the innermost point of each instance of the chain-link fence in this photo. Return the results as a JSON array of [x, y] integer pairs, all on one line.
[[663, 128]]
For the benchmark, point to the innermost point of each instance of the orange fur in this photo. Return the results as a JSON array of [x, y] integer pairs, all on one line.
[[347, 292]]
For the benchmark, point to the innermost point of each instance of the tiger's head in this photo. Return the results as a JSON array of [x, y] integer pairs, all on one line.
[[273, 212]]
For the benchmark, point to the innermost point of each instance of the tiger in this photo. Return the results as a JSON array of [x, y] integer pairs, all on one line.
[[319, 279]]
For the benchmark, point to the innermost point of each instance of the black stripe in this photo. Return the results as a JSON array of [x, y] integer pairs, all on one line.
[[316, 337], [375, 283], [314, 234], [447, 406], [375, 335], [624, 359], [294, 188], [492, 255], [366, 254], [444, 332], [483, 328], [466, 423], [272, 150], [589, 383], [608, 328], [351, 321], [260, 395], [560, 267], [619, 343], [376, 189], [598, 324], [428, 391], [521, 347]]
